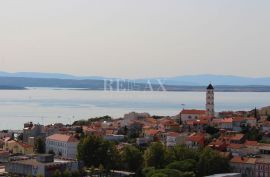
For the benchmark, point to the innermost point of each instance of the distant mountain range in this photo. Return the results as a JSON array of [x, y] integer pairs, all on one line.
[[47, 75], [222, 83], [202, 80], [189, 80]]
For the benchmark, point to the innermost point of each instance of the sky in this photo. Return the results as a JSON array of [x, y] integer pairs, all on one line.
[[136, 38]]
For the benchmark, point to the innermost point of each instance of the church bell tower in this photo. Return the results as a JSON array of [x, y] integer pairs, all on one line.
[[210, 101]]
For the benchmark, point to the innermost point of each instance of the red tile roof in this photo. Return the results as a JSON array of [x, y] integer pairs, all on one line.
[[236, 146], [251, 143], [205, 120], [136, 122], [152, 132], [250, 118], [168, 122], [227, 120], [88, 129], [147, 127], [266, 124], [217, 143], [217, 121], [237, 137], [238, 119], [61, 137], [193, 111], [245, 160], [199, 138], [151, 120]]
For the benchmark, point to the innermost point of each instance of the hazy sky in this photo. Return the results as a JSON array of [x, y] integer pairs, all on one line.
[[136, 38]]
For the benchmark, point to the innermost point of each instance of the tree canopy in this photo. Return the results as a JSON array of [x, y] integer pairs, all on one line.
[[95, 151], [91, 120], [157, 160], [181, 161], [155, 156], [132, 158], [211, 162], [40, 146]]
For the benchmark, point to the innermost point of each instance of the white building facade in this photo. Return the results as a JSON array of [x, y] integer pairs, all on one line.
[[62, 145]]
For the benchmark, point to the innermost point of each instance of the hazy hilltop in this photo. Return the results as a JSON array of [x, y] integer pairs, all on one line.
[[188, 80], [199, 80], [222, 83], [46, 75]]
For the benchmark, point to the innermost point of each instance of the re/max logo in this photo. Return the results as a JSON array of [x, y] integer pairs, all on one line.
[[132, 85]]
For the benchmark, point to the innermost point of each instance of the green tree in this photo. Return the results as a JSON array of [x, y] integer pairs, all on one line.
[[91, 120], [20, 137], [155, 156], [211, 130], [159, 174], [88, 148], [94, 151], [180, 153], [76, 174], [80, 123], [66, 173], [252, 133], [132, 158], [111, 155], [188, 165], [268, 118], [148, 170], [40, 146], [168, 172], [57, 173], [188, 174], [211, 162]]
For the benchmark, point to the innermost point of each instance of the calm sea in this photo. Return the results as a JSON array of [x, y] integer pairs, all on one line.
[[65, 105]]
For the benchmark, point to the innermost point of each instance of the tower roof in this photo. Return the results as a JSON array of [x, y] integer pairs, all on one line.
[[210, 87]]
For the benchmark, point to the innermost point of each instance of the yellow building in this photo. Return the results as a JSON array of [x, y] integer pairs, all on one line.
[[16, 147]]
